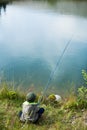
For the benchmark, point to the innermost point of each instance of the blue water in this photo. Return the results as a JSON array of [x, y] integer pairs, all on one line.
[[33, 36]]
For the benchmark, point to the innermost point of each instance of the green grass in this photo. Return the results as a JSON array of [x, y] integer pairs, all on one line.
[[69, 114]]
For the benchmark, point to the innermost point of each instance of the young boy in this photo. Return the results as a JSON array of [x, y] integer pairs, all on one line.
[[30, 110]]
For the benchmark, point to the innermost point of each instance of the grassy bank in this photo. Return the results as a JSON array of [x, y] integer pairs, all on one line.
[[68, 114]]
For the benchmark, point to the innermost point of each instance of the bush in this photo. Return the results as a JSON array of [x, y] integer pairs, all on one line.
[[82, 92], [82, 97], [84, 74], [12, 95], [5, 93]]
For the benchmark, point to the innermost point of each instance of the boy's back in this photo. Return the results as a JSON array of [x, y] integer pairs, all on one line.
[[29, 112]]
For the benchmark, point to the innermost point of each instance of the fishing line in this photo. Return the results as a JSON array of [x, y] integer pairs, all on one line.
[[54, 70]]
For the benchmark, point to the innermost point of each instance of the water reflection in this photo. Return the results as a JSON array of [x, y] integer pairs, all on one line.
[[78, 8], [32, 37], [3, 6]]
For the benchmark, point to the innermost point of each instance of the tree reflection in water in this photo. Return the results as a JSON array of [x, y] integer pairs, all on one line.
[[3, 6]]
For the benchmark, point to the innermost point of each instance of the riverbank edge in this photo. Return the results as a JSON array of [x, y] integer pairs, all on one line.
[[69, 113]]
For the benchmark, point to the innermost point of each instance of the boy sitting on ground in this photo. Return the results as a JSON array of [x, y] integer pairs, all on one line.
[[31, 112]]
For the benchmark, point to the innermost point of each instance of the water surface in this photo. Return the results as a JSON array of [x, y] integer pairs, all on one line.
[[33, 35]]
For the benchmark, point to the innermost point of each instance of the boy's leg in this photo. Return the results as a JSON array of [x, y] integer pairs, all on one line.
[[19, 114], [41, 111]]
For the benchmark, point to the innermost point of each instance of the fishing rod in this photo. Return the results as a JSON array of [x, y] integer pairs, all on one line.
[[54, 70]]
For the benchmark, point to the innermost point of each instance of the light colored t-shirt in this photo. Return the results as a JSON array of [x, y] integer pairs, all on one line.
[[29, 112]]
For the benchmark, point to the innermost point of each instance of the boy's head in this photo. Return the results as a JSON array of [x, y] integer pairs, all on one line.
[[30, 97]]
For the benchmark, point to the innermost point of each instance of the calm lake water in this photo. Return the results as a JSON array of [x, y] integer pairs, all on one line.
[[33, 35]]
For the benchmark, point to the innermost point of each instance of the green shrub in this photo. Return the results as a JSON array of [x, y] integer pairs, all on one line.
[[84, 74], [4, 93], [82, 92], [12, 95], [71, 103], [82, 97], [80, 102]]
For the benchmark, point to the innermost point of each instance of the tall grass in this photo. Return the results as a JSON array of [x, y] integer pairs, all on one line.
[[68, 114], [64, 115]]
